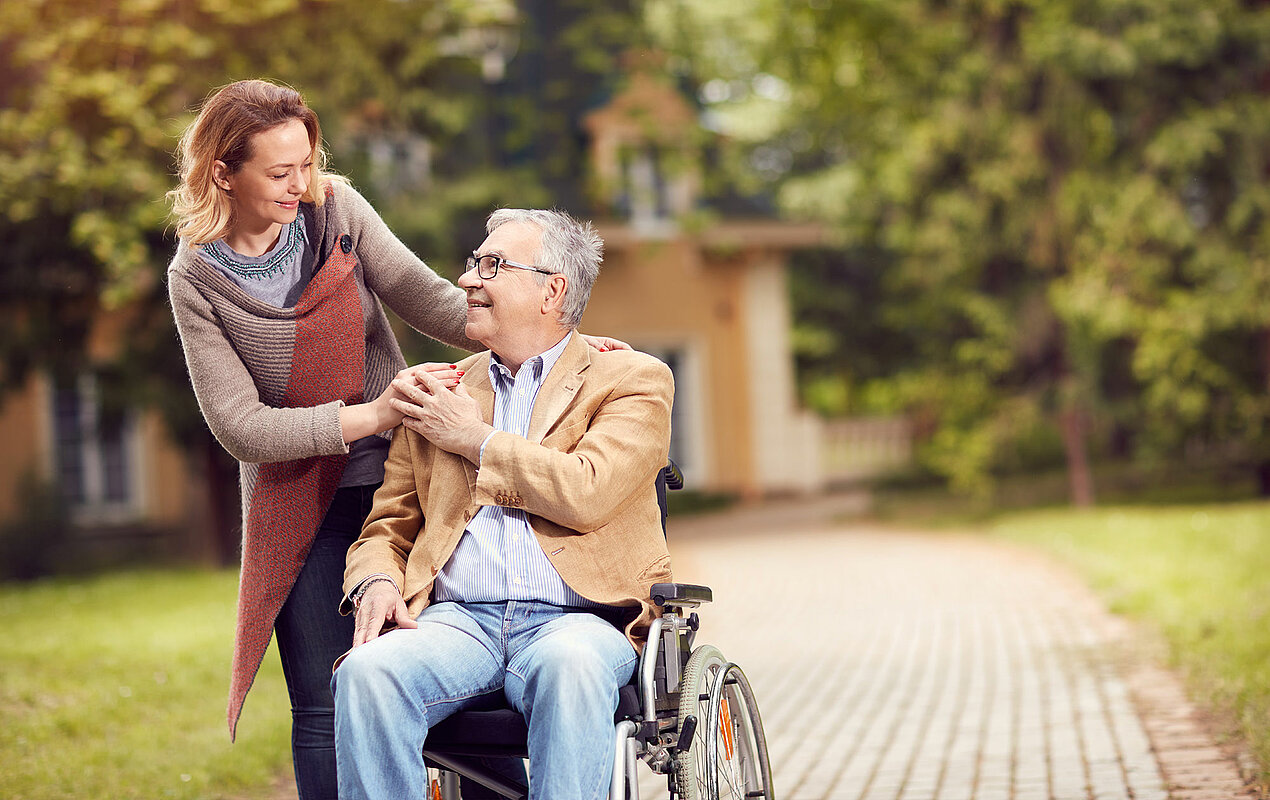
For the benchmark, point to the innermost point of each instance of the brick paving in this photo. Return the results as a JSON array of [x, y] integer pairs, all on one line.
[[912, 666]]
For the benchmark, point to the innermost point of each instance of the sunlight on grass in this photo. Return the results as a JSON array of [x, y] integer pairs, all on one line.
[[1200, 574], [115, 687]]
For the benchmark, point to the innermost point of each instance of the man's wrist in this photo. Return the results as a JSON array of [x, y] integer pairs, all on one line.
[[360, 590]]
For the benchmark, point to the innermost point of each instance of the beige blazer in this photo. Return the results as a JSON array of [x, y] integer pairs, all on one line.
[[599, 433]]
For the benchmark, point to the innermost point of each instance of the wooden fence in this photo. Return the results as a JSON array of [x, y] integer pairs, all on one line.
[[859, 448]]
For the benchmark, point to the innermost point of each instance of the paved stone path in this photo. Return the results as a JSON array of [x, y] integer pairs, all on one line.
[[907, 666]]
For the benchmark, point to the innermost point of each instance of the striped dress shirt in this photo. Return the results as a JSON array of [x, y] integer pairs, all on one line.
[[498, 558]]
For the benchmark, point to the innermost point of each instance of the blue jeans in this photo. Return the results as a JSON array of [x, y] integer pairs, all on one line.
[[312, 634], [562, 668]]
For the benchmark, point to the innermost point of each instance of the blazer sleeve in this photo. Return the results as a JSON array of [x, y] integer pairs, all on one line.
[[426, 301], [625, 443], [247, 428], [394, 522]]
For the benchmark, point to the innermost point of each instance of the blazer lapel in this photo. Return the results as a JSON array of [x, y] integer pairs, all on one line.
[[561, 386], [476, 379]]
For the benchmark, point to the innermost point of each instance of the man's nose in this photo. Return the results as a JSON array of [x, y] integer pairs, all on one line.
[[469, 279]]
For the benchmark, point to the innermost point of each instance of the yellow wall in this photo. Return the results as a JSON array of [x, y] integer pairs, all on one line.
[[671, 291], [22, 425]]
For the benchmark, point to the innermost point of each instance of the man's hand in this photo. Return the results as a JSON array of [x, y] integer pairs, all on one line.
[[450, 419], [380, 605]]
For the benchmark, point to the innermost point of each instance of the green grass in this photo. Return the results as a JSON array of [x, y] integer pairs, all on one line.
[[115, 687], [1199, 574]]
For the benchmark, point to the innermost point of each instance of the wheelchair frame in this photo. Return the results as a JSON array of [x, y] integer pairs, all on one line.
[[689, 714]]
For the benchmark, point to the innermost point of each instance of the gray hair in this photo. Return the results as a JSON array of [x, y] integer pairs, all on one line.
[[569, 246]]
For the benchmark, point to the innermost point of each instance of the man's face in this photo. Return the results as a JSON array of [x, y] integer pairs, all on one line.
[[507, 306]]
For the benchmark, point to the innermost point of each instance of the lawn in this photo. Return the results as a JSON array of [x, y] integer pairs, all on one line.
[[114, 687], [1198, 574]]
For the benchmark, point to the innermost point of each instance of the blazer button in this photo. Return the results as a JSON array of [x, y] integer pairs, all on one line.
[[346, 244]]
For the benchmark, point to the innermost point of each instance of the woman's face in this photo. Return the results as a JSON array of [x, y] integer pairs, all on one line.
[[266, 190]]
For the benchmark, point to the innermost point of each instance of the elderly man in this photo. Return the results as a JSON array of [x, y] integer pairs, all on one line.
[[516, 536]]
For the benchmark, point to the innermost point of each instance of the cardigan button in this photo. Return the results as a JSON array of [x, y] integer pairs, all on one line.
[[346, 244]]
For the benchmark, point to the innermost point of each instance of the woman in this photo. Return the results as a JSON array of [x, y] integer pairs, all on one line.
[[276, 288]]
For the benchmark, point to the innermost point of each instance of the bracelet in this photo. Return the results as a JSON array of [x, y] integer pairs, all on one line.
[[366, 584]]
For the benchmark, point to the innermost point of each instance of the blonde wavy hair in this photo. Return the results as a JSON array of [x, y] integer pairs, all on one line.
[[223, 131]]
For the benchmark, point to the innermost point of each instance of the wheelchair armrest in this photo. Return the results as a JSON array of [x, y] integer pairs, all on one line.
[[680, 595], [672, 475]]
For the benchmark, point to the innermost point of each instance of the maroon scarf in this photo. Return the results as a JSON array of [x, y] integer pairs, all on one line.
[[291, 497]]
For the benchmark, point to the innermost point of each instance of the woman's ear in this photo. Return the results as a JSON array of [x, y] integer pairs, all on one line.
[[220, 175]]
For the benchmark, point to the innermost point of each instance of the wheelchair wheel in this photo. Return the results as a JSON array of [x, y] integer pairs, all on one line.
[[728, 754]]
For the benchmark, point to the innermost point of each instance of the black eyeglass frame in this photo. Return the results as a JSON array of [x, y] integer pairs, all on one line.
[[475, 262]]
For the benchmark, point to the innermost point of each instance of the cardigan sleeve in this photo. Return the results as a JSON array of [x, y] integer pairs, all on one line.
[[426, 301], [247, 428]]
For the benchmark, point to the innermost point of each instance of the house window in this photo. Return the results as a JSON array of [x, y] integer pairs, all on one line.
[[95, 465], [644, 198]]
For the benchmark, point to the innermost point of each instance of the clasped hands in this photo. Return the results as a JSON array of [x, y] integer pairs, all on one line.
[[436, 406]]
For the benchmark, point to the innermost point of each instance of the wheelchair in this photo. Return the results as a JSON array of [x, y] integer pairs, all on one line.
[[688, 713]]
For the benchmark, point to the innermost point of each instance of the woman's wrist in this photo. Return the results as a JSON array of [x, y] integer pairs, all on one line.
[[365, 419]]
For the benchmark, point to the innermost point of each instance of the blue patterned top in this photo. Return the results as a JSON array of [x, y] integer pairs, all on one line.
[[278, 277]]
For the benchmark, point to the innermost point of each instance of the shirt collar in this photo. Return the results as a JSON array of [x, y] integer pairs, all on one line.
[[540, 365]]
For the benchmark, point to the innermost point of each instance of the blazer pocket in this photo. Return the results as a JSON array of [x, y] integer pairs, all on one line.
[[658, 569], [567, 435]]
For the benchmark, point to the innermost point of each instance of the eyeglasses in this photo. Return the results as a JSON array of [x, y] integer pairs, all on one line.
[[487, 266]]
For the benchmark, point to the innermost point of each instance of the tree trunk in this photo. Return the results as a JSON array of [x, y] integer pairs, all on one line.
[[1080, 480]]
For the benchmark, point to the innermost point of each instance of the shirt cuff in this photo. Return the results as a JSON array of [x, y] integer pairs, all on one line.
[[481, 456]]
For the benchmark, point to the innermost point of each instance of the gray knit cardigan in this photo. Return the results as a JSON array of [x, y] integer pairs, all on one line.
[[242, 354]]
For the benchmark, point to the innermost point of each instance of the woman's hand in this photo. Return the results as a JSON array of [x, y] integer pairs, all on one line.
[[605, 343], [380, 605], [367, 419]]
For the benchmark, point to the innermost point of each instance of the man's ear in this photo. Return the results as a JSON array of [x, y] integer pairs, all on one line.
[[553, 294]]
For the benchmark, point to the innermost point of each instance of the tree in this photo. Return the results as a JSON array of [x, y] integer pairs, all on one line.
[[1070, 195], [93, 97]]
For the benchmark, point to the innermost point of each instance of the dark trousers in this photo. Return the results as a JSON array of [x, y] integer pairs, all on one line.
[[312, 634]]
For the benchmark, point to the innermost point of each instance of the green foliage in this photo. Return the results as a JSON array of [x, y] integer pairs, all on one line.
[[93, 97], [1194, 573], [1069, 199], [115, 687]]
